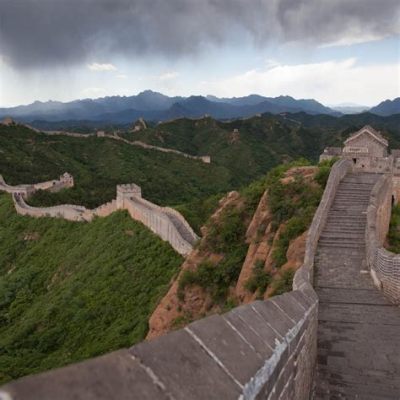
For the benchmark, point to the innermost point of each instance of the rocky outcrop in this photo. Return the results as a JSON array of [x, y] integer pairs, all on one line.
[[261, 238], [172, 312]]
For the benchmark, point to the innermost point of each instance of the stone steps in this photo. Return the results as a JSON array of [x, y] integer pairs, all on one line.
[[358, 329], [356, 224], [345, 245], [346, 221], [352, 200], [356, 236], [338, 226]]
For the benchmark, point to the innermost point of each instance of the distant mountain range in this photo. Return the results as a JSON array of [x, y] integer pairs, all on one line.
[[154, 106], [387, 107], [349, 108]]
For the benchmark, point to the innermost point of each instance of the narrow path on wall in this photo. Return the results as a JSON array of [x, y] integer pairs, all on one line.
[[359, 329], [180, 227]]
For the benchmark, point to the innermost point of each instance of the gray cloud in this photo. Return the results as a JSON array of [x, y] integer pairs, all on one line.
[[34, 33]]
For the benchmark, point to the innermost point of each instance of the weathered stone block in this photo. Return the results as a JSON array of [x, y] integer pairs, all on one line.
[[113, 376], [254, 329], [185, 369], [274, 316], [290, 306], [224, 343]]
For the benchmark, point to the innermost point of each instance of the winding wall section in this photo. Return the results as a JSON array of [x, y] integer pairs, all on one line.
[[165, 222]]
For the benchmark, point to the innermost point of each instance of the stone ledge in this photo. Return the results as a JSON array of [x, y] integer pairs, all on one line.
[[113, 376]]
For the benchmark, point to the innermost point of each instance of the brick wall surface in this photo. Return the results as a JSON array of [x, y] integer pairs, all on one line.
[[384, 265]]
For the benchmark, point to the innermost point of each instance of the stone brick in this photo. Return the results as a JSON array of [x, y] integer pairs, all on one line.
[[228, 346], [185, 369], [113, 376], [274, 316], [254, 329]]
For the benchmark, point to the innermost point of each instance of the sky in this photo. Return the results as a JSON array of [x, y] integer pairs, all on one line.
[[335, 51]]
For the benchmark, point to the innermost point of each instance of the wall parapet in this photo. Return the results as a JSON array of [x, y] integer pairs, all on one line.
[[304, 275], [66, 211], [165, 222], [384, 265], [265, 349], [65, 181], [158, 222]]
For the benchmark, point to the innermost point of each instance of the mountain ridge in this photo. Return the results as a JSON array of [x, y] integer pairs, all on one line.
[[387, 107], [159, 107]]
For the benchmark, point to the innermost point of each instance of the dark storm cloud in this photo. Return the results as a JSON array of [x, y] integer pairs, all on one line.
[[45, 32]]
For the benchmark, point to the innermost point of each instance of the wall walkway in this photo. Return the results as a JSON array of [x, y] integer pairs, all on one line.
[[24, 189], [358, 328], [65, 181]]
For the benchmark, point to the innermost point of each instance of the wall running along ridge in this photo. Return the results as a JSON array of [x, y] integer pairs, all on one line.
[[138, 143], [204, 159], [165, 222], [159, 222], [65, 181], [384, 265], [266, 349]]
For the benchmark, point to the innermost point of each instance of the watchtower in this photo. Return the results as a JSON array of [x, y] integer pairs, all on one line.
[[127, 191]]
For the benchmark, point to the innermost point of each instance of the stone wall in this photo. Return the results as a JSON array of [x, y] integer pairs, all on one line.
[[384, 265], [115, 136], [205, 159], [165, 222], [105, 209], [25, 190], [171, 212], [158, 222], [65, 211], [373, 164], [65, 181], [372, 147], [263, 350]]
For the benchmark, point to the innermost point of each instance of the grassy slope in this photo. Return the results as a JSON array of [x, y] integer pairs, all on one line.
[[70, 291]]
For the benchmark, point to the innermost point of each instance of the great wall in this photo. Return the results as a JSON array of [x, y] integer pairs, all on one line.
[[165, 222], [140, 124], [334, 336]]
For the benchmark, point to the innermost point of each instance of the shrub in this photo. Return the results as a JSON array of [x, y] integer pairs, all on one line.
[[323, 171], [284, 283], [259, 279], [215, 279]]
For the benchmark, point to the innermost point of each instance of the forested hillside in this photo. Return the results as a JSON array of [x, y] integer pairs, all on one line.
[[70, 291]]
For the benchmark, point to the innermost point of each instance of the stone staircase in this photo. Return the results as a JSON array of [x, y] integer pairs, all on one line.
[[359, 330]]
